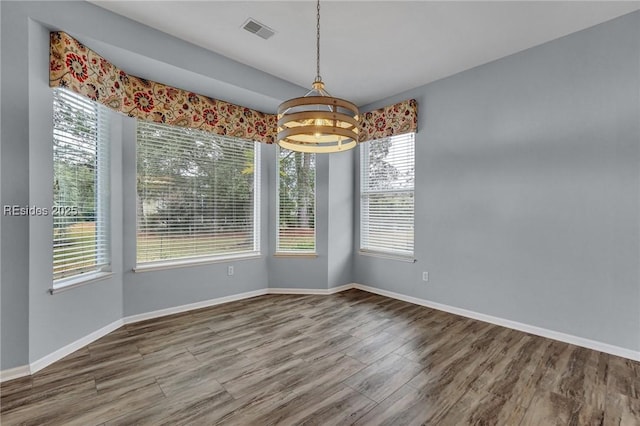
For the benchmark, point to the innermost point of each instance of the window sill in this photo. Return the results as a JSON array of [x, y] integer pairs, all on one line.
[[295, 255], [159, 266], [69, 283], [398, 257]]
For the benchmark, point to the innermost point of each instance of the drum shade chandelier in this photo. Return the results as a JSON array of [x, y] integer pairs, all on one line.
[[317, 122]]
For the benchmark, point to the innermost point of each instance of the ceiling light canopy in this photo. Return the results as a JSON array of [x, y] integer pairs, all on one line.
[[318, 122]]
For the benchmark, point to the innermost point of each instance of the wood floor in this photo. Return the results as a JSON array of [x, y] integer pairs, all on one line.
[[349, 358]]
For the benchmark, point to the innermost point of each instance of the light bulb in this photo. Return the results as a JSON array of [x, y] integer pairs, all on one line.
[[318, 123]]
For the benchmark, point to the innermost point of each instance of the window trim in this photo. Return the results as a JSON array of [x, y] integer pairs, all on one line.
[[391, 254], [162, 265], [102, 269], [80, 280], [205, 259], [296, 253]]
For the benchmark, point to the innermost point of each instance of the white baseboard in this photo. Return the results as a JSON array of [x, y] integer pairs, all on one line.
[[538, 331], [341, 288], [316, 291], [192, 306], [296, 291], [74, 346], [14, 373], [38, 365]]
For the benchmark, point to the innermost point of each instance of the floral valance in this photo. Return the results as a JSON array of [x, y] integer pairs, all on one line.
[[78, 68], [389, 121]]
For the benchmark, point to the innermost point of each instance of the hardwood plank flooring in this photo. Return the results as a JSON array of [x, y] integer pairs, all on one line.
[[349, 358]]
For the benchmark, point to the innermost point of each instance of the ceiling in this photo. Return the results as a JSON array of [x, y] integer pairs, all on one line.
[[370, 49]]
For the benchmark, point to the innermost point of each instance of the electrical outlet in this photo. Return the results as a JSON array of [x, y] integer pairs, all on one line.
[[229, 270], [425, 276]]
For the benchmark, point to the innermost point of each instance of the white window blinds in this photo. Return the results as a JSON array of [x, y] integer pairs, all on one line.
[[81, 233], [386, 191], [296, 202], [198, 194]]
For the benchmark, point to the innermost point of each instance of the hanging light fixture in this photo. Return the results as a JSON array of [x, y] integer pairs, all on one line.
[[317, 122]]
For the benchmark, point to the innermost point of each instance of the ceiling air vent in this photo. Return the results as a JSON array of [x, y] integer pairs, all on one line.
[[257, 28]]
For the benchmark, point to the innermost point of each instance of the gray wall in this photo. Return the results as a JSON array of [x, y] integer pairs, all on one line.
[[14, 189], [34, 323], [340, 212], [527, 188]]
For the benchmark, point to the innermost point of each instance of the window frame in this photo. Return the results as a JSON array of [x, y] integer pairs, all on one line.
[[283, 251], [365, 247], [193, 260], [102, 194]]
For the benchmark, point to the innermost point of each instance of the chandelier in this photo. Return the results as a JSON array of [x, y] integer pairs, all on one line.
[[317, 122]]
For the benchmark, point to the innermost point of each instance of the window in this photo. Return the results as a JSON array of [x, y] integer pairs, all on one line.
[[198, 195], [81, 230], [296, 202], [386, 191]]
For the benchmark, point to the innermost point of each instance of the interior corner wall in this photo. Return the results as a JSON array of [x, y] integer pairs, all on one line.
[[292, 271], [14, 181], [331, 267], [527, 188], [340, 218]]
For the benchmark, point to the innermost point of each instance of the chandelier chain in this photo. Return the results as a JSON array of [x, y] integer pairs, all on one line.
[[318, 78], [317, 122]]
